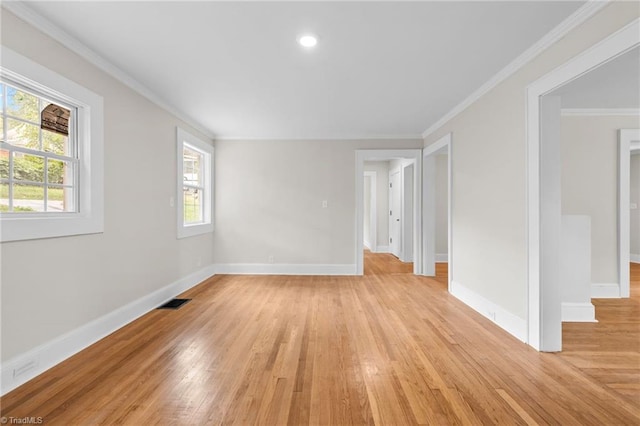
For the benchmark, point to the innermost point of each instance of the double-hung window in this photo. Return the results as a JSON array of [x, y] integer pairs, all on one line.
[[38, 154], [195, 185], [51, 148]]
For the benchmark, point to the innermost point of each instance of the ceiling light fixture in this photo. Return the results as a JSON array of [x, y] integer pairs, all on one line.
[[308, 40]]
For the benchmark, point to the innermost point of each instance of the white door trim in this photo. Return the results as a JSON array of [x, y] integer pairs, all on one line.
[[363, 155], [611, 47], [444, 144], [373, 214], [629, 140]]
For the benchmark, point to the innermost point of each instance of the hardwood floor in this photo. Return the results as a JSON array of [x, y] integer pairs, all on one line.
[[387, 348], [609, 351]]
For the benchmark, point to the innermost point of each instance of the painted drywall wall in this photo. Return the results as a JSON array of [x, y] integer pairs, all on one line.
[[442, 220], [269, 200], [489, 170], [53, 286], [382, 201], [590, 184], [635, 213]]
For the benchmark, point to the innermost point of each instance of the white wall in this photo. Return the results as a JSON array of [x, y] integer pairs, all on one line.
[[590, 184], [635, 214], [53, 286], [442, 219], [489, 172], [269, 200], [382, 200]]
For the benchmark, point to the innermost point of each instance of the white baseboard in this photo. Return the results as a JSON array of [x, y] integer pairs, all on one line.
[[442, 258], [635, 258], [512, 324], [578, 312], [382, 249], [366, 244], [605, 290], [28, 365], [284, 269]]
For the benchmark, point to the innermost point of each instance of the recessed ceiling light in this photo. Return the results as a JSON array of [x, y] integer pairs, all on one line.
[[308, 40]]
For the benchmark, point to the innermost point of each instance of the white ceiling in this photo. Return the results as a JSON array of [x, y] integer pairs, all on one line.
[[381, 69], [615, 84]]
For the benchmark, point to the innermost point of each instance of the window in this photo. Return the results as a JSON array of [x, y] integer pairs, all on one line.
[[50, 153], [195, 185], [38, 156]]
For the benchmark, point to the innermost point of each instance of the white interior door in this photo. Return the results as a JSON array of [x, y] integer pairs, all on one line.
[[395, 213]]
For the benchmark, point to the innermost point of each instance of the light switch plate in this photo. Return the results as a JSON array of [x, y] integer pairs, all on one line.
[[633, 206]]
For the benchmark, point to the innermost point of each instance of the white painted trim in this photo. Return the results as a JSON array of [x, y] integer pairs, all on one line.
[[26, 13], [40, 359], [306, 138], [284, 269], [373, 213], [605, 291], [612, 46], [183, 231], [382, 249], [634, 258], [442, 258], [90, 122], [363, 155], [444, 144], [577, 18], [627, 139], [509, 322], [604, 112], [578, 312]]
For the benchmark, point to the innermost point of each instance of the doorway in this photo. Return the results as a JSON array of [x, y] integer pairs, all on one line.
[[408, 156], [437, 207], [543, 185]]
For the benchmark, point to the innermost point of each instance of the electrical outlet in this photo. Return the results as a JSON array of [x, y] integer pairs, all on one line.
[[271, 260], [172, 202], [633, 206], [325, 204]]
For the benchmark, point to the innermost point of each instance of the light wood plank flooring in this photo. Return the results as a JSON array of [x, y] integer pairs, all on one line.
[[387, 348]]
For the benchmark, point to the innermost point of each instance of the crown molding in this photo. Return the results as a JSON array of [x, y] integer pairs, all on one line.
[[602, 112], [577, 18], [415, 137], [24, 12]]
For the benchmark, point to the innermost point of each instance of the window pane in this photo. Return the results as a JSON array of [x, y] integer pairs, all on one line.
[[4, 164], [192, 163], [28, 167], [192, 206], [60, 199], [22, 105], [4, 197], [24, 134], [60, 172], [55, 142], [1, 97], [28, 198]]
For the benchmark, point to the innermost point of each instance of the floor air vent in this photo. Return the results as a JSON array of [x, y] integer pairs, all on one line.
[[174, 304]]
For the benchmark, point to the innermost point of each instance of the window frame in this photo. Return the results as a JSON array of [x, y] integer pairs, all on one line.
[[186, 139], [71, 157], [89, 174]]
